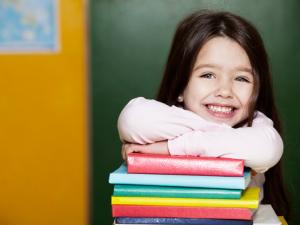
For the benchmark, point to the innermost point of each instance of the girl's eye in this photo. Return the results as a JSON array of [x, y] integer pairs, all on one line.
[[207, 75], [243, 79]]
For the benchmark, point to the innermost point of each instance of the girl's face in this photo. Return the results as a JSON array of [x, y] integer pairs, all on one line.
[[221, 82]]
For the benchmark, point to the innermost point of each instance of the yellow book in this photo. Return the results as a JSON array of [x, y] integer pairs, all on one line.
[[282, 220], [249, 199]]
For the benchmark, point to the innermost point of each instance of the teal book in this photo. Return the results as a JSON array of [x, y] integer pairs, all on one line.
[[121, 176], [175, 192]]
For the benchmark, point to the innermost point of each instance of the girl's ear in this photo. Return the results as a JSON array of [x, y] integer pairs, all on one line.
[[180, 98]]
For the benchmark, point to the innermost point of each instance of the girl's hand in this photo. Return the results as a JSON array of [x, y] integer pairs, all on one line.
[[156, 148], [253, 173]]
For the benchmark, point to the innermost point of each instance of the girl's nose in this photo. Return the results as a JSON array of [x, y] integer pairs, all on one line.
[[224, 89]]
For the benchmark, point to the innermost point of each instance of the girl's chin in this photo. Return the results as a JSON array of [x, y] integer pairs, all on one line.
[[219, 117], [218, 120], [223, 121]]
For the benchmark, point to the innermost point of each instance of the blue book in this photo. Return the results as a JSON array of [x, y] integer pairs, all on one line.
[[120, 176], [187, 221]]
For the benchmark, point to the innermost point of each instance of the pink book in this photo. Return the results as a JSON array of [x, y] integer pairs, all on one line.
[[181, 212], [184, 165]]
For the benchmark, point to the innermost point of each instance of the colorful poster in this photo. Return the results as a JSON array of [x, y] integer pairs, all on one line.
[[28, 26]]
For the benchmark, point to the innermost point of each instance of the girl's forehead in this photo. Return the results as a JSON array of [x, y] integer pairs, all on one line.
[[222, 52]]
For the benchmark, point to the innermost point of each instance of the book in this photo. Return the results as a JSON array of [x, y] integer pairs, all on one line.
[[266, 215], [179, 221], [184, 165], [249, 199], [121, 176], [176, 192], [282, 220], [182, 212]]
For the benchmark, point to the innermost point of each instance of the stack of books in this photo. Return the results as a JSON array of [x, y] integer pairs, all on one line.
[[161, 189]]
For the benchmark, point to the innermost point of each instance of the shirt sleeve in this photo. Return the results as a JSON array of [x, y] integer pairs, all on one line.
[[144, 121], [260, 146]]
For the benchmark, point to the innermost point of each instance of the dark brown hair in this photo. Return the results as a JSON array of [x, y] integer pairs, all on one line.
[[191, 34]]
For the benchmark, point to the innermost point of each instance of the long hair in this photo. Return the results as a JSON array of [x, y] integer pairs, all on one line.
[[191, 34]]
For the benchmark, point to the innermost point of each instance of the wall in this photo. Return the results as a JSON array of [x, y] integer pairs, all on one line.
[[43, 132], [130, 41]]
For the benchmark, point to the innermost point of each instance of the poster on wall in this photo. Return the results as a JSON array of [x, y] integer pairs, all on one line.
[[29, 26]]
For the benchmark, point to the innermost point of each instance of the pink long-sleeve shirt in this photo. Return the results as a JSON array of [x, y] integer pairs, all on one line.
[[144, 121]]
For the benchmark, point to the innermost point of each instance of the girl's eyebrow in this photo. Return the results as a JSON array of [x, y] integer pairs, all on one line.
[[238, 68], [244, 69], [206, 65]]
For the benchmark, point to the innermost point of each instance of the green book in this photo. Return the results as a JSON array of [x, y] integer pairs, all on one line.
[[176, 192]]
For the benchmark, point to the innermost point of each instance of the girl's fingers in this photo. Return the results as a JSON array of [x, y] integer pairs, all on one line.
[[129, 148], [126, 149], [123, 152]]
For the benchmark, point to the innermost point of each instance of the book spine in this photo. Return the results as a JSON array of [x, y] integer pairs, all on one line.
[[175, 192], [187, 165], [226, 203], [181, 212], [249, 200], [181, 180], [187, 221]]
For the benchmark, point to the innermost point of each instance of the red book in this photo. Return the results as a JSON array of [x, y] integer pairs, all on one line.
[[184, 165], [181, 212]]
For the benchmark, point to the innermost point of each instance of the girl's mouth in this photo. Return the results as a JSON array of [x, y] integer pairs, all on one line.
[[221, 111]]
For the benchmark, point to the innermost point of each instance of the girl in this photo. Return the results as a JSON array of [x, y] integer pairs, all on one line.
[[215, 99]]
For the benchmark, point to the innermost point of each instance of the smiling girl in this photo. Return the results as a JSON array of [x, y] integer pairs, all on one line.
[[215, 99]]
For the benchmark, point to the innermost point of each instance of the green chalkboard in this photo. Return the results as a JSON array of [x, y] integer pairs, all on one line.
[[130, 40]]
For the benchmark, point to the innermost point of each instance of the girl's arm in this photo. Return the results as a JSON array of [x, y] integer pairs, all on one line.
[[144, 121], [261, 147], [148, 121]]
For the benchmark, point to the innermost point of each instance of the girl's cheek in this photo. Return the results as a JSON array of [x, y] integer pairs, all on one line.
[[243, 92]]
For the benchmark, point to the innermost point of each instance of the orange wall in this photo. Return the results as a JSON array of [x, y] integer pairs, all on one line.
[[43, 130]]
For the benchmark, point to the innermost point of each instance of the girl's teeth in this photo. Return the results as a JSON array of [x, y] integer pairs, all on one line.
[[221, 109]]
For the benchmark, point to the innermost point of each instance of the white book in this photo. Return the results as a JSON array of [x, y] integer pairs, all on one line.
[[265, 215]]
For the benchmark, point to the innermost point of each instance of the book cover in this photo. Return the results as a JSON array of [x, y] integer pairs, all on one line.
[[175, 192], [120, 176], [184, 165], [181, 221], [249, 199], [182, 212]]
